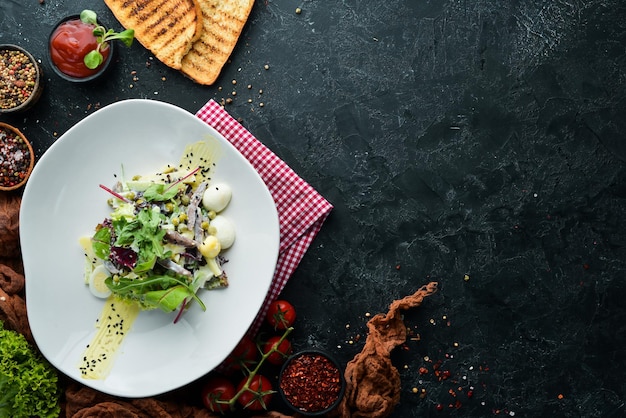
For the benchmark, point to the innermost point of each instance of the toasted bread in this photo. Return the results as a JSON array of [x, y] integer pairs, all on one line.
[[223, 22], [168, 28]]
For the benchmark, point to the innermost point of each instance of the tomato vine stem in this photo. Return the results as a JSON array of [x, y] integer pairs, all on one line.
[[252, 373]]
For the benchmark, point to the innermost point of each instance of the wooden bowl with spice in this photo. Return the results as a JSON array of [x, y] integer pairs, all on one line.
[[21, 79], [16, 158], [311, 383]]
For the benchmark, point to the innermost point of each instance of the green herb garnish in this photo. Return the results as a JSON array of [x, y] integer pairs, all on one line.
[[144, 235], [94, 58]]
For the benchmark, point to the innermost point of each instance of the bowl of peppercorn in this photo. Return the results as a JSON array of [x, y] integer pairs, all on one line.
[[21, 79], [16, 158], [311, 383]]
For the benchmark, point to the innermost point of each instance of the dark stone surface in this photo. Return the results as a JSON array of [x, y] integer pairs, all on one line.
[[479, 138]]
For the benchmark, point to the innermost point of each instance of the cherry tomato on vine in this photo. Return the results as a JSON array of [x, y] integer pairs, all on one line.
[[258, 395], [215, 392], [245, 353], [283, 350], [281, 314]]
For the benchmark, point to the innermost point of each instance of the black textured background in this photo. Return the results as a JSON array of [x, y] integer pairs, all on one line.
[[459, 137]]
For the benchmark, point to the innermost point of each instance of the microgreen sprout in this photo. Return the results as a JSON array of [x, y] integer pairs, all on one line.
[[94, 58], [119, 196]]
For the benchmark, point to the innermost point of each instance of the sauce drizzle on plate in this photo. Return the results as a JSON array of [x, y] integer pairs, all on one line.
[[114, 323]]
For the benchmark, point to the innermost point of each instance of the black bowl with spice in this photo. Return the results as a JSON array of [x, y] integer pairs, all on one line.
[[69, 42], [311, 383], [21, 79], [16, 158]]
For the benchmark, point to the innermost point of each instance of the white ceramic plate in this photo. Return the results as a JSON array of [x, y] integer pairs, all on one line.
[[62, 202]]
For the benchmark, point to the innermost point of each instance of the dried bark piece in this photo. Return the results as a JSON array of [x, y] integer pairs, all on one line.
[[373, 382], [12, 304], [9, 224], [11, 281]]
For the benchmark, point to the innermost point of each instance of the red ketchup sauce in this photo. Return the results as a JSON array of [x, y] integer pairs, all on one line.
[[69, 44]]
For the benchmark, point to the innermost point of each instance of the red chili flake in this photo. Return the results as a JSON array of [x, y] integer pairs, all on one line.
[[423, 370], [439, 407], [311, 382]]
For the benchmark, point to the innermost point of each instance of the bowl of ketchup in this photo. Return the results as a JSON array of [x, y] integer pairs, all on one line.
[[69, 42]]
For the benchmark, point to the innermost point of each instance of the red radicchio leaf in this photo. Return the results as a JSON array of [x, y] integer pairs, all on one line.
[[124, 257]]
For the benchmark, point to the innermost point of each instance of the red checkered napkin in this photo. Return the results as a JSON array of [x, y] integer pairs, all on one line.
[[301, 209]]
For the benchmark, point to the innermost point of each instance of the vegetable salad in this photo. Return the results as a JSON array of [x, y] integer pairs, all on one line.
[[165, 236]]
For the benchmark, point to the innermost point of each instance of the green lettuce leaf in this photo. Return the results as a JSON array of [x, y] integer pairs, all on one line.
[[101, 243], [158, 192], [28, 383]]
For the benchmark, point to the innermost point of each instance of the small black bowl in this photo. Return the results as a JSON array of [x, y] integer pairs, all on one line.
[[21, 105], [302, 370], [102, 69]]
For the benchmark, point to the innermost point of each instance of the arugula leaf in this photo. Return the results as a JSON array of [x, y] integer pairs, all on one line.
[[165, 292], [169, 299], [137, 287]]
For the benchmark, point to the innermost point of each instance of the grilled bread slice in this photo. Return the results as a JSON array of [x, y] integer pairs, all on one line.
[[168, 28], [223, 22]]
